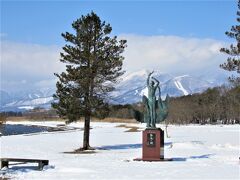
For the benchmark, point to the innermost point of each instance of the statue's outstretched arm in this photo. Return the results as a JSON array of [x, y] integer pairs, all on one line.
[[149, 75]]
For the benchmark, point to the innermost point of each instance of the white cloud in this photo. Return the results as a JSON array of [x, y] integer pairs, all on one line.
[[173, 54], [32, 66], [45, 83], [24, 65]]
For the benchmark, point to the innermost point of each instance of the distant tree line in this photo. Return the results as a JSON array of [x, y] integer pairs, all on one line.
[[216, 105], [4, 115], [11, 113], [39, 113]]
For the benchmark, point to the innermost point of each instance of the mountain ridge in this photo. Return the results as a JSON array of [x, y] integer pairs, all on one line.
[[129, 90]]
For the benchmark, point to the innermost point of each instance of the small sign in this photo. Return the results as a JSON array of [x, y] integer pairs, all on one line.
[[151, 139]]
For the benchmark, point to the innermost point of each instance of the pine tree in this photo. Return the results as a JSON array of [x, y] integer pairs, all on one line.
[[93, 64], [233, 62]]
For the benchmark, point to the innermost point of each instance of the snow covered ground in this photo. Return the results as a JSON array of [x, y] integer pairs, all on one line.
[[199, 152]]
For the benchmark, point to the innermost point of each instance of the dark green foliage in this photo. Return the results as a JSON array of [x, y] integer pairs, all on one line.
[[233, 61], [93, 64], [138, 115]]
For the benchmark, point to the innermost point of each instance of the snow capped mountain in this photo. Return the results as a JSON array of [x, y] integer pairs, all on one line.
[[130, 89], [136, 81], [21, 100], [133, 86], [217, 77], [185, 85]]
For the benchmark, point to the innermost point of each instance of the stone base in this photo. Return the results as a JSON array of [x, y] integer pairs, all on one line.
[[153, 145]]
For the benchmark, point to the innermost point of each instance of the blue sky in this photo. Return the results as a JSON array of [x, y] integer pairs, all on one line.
[[43, 21], [177, 37]]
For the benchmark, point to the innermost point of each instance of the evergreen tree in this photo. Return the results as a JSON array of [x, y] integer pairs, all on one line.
[[233, 62], [93, 64]]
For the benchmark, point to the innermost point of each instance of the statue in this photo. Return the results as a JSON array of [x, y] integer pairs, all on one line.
[[155, 110]]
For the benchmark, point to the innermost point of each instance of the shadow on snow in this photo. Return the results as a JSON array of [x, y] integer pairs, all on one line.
[[205, 156], [120, 146], [124, 146]]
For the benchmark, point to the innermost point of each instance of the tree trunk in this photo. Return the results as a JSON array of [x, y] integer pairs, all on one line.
[[86, 134]]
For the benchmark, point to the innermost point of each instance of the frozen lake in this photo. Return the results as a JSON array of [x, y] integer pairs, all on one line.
[[16, 129], [27, 128], [199, 152]]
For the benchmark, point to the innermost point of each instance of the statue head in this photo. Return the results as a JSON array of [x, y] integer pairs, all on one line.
[[152, 83]]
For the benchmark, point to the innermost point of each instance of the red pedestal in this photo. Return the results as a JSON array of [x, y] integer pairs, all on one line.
[[153, 145]]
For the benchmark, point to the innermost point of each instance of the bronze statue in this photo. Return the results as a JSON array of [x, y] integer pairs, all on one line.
[[155, 111]]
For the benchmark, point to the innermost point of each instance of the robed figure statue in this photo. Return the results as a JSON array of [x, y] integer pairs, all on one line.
[[155, 110]]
